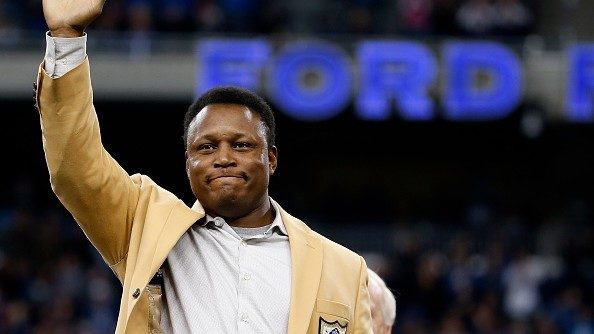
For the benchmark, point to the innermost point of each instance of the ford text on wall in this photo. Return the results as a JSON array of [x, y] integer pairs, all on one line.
[[316, 80]]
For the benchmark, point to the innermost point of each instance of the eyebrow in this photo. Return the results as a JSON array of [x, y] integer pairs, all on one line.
[[215, 137]]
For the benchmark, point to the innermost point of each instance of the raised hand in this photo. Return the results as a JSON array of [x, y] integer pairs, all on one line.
[[69, 18]]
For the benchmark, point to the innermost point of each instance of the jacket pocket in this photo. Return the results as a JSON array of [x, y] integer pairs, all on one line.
[[330, 315], [333, 308]]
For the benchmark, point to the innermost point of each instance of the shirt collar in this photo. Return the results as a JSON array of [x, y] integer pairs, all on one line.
[[277, 223]]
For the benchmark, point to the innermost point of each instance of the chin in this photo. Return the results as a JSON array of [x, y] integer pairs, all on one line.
[[227, 199], [229, 202], [228, 205]]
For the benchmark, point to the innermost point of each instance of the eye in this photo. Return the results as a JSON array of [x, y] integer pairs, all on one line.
[[206, 147], [241, 145]]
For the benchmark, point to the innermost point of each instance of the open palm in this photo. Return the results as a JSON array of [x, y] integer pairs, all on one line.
[[70, 16]]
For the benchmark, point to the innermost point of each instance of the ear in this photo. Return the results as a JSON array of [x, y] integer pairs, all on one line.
[[187, 164], [272, 159]]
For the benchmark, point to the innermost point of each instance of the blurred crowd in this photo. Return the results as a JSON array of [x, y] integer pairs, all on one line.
[[427, 17], [493, 275], [488, 274], [51, 279]]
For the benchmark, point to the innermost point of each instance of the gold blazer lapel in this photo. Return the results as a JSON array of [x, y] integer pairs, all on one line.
[[180, 220], [306, 270], [161, 242]]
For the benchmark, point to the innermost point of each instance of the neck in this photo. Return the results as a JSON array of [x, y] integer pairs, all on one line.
[[261, 216]]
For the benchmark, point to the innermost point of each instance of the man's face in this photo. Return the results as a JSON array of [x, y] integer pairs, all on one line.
[[228, 161]]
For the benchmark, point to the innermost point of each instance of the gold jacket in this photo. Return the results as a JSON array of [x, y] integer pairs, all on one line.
[[134, 223]]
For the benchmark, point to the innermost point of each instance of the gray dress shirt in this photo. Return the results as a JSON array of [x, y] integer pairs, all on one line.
[[220, 279]]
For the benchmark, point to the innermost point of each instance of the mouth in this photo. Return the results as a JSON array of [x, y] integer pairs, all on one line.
[[226, 176]]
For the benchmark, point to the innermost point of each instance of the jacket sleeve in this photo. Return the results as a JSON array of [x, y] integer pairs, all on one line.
[[362, 307], [99, 193]]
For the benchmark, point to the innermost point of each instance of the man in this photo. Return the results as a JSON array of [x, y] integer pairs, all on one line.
[[235, 262], [383, 305]]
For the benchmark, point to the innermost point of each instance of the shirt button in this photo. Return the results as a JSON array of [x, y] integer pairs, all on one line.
[[244, 317], [218, 221], [243, 243], [246, 277]]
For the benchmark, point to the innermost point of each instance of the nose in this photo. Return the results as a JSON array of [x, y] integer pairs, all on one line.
[[225, 157]]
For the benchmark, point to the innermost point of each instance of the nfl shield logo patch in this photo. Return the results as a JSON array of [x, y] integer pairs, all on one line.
[[332, 327]]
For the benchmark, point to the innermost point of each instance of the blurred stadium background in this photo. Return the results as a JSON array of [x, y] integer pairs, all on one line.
[[477, 226]]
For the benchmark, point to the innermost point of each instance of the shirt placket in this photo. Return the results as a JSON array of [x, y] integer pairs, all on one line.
[[244, 278]]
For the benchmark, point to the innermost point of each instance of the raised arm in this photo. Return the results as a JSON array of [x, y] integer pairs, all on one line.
[[101, 196]]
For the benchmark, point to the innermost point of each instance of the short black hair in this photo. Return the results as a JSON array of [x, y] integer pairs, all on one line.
[[233, 95]]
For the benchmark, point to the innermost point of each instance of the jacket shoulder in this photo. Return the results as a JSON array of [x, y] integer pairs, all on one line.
[[338, 252], [332, 250]]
